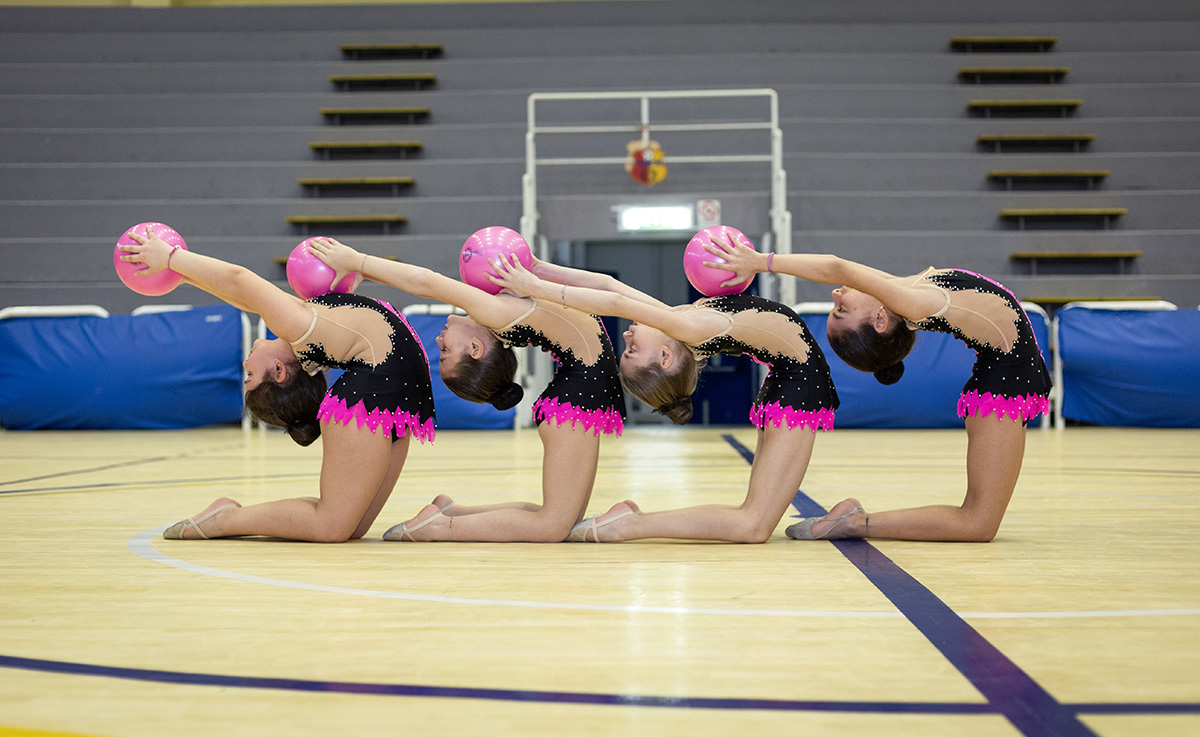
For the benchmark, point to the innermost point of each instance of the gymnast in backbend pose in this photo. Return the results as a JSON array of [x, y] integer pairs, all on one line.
[[660, 367], [871, 328], [583, 401], [365, 421]]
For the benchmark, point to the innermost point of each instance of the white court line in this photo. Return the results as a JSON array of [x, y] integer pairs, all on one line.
[[140, 545]]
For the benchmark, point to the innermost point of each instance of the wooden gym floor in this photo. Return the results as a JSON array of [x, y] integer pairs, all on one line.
[[1082, 617]]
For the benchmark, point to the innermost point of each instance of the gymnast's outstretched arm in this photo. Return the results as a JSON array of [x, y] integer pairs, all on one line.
[[573, 277], [490, 310], [687, 326], [285, 314], [895, 293]]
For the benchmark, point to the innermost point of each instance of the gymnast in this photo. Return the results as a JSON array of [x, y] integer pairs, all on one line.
[[660, 366], [871, 328], [365, 420], [583, 401]]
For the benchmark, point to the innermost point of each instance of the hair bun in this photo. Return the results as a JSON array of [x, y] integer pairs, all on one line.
[[507, 396], [679, 411], [890, 374], [305, 431]]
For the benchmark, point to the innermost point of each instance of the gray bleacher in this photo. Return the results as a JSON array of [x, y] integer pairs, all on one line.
[[203, 118]]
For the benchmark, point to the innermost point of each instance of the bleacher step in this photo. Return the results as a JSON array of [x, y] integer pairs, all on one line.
[[381, 82], [367, 52], [1120, 258], [1012, 75], [999, 143], [366, 149], [377, 115], [342, 223], [1026, 215], [1060, 300], [1015, 44], [1023, 108], [359, 185], [1084, 179]]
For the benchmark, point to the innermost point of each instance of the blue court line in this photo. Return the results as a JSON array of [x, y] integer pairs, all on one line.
[[109, 467], [157, 483], [1009, 689], [557, 697], [533, 696], [76, 472], [1026, 704], [486, 694]]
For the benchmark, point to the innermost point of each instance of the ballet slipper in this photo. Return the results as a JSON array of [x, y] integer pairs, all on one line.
[[398, 533], [175, 531], [802, 530], [579, 533]]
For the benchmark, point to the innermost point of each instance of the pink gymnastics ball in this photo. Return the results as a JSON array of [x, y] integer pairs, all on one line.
[[488, 243], [706, 279], [154, 285], [310, 277]]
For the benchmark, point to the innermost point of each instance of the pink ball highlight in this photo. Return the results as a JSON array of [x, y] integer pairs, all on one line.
[[488, 243], [705, 279], [310, 277], [154, 285]]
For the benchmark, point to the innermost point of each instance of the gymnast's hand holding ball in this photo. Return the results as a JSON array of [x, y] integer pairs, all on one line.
[[734, 253], [310, 277], [483, 248], [512, 275], [343, 262], [151, 244]]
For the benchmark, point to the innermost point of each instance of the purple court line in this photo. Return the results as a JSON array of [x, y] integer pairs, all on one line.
[[557, 697], [106, 467], [1009, 689], [162, 482], [487, 694]]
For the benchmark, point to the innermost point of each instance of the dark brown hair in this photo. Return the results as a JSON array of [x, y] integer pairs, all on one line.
[[292, 405], [489, 378], [878, 353], [669, 393]]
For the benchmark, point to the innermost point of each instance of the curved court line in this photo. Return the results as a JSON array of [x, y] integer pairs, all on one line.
[[140, 545]]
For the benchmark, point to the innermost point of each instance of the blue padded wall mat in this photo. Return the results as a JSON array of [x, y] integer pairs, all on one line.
[[158, 371], [1130, 367]]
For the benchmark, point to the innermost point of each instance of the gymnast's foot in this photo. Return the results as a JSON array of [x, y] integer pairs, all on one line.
[[444, 503], [190, 529], [429, 525], [846, 520], [613, 523]]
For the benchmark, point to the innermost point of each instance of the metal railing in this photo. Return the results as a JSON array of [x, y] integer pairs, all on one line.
[[780, 217]]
